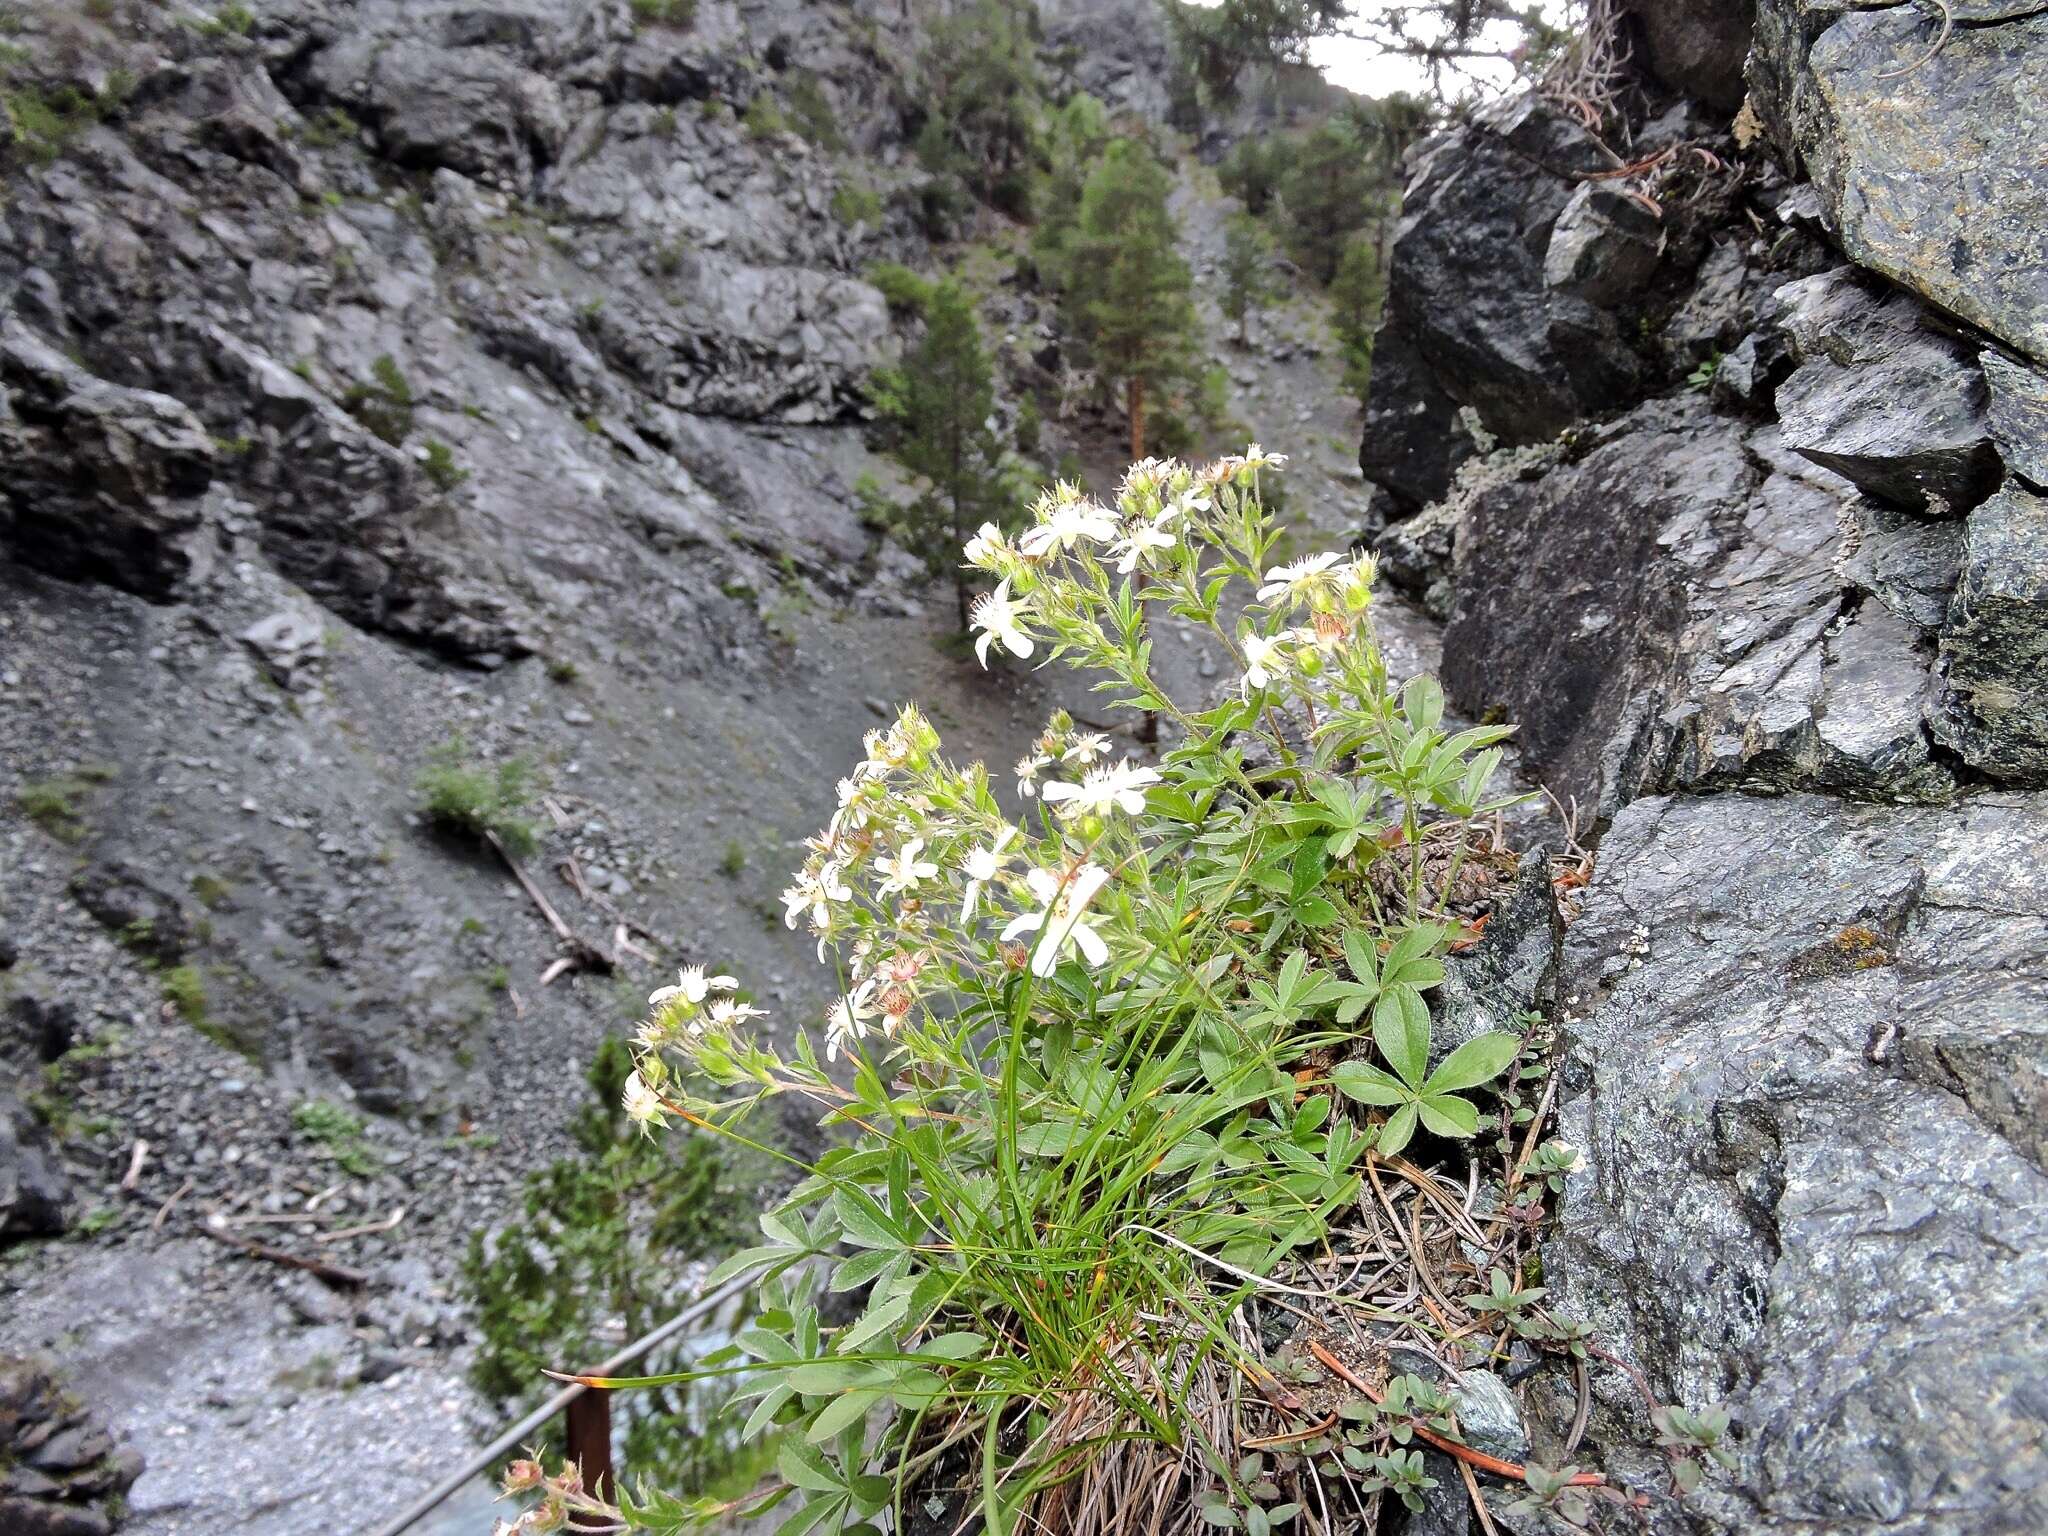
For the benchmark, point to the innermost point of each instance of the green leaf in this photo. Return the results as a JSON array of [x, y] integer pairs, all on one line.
[[867, 1225], [1368, 1084], [1400, 1028], [847, 1409], [814, 1512], [1316, 912], [802, 1465], [1448, 1115], [763, 1345], [857, 1271], [953, 1346], [817, 1378], [765, 1411], [884, 1315], [1394, 1135], [751, 1258], [1358, 954], [1049, 1138], [1475, 1062]]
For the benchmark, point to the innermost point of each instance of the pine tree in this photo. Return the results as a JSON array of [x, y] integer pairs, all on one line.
[[1335, 182], [986, 99], [1356, 294], [1129, 288], [1247, 269], [938, 404]]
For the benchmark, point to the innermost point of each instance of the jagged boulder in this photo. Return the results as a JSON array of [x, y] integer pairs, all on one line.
[[1882, 398], [1697, 46], [101, 481], [1470, 319], [1923, 141], [2019, 415], [1994, 644], [1807, 1064], [61, 1474], [35, 1194], [1712, 610]]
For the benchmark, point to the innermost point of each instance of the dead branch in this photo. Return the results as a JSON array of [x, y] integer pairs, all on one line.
[[319, 1269], [583, 954]]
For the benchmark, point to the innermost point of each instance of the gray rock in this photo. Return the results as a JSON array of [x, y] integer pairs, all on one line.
[[1882, 398], [1811, 1114], [1694, 591], [102, 481], [1697, 46], [1604, 246], [2019, 415], [1994, 645], [35, 1196], [1927, 162], [1469, 318]]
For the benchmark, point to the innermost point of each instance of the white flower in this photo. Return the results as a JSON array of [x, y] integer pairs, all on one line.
[[1256, 457], [730, 1010], [1059, 926], [847, 1020], [988, 549], [692, 986], [1027, 774], [983, 865], [903, 872], [1086, 749], [995, 615], [1259, 665], [1067, 521], [1291, 581], [1121, 785], [1133, 548], [1360, 574], [643, 1105]]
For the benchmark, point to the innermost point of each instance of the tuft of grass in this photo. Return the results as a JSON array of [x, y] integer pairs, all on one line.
[[733, 861], [54, 805], [385, 404], [210, 888], [765, 117], [564, 671], [476, 800], [855, 202], [664, 13], [327, 1124], [231, 20], [440, 465], [185, 990]]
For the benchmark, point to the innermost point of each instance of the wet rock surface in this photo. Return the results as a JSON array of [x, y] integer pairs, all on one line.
[[1805, 1060], [61, 1473], [1926, 159]]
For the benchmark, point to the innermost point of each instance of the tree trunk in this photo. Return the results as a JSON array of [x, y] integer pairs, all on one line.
[[1135, 394], [960, 598]]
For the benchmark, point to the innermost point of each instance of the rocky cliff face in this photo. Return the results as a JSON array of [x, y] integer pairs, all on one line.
[[1727, 449]]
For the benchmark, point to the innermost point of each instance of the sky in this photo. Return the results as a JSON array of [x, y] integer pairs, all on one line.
[[1358, 66]]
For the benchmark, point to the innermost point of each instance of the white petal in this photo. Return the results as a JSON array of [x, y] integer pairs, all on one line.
[[1092, 948], [1022, 923]]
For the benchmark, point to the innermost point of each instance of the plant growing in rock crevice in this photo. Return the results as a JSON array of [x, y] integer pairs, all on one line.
[[1101, 1063], [477, 800]]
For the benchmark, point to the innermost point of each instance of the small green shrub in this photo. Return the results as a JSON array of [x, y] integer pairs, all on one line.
[[855, 202], [603, 1243], [384, 405], [440, 465], [733, 861], [231, 20], [906, 292], [665, 13], [185, 990], [475, 800], [765, 118], [55, 805], [564, 671], [326, 1124], [811, 111]]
